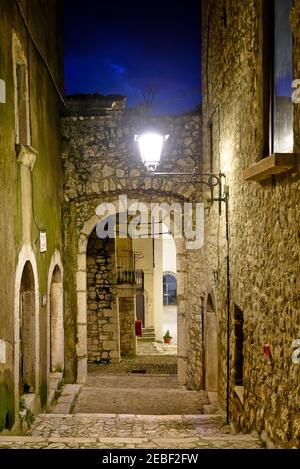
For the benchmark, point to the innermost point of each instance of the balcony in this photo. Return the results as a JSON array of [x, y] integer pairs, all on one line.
[[134, 278]]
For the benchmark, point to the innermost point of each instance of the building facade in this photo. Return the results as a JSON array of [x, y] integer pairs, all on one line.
[[31, 193], [251, 57]]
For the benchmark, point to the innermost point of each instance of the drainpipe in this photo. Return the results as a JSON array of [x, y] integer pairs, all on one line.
[[228, 308]]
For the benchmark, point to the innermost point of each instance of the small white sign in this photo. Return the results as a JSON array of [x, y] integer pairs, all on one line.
[[296, 353], [2, 351], [43, 241], [44, 300], [2, 92]]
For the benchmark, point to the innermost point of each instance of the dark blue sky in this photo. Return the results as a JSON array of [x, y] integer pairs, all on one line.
[[124, 47]]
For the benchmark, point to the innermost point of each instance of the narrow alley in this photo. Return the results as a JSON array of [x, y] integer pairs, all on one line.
[[149, 234]]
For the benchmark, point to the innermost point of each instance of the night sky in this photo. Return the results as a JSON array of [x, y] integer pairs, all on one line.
[[125, 47]]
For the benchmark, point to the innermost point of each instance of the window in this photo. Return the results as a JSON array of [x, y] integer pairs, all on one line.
[[21, 94], [239, 347], [278, 77], [169, 289]]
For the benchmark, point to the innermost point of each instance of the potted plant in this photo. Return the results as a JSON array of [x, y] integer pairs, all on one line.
[[167, 337]]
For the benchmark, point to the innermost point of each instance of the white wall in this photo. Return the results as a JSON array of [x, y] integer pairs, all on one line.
[[169, 254], [164, 261]]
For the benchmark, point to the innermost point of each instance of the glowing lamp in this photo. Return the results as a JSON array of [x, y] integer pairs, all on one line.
[[150, 146]]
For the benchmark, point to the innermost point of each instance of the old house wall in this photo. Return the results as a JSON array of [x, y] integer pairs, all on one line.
[[103, 324], [263, 224], [28, 193], [101, 162], [127, 331]]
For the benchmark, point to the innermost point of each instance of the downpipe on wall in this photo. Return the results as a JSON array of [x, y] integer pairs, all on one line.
[[228, 307]]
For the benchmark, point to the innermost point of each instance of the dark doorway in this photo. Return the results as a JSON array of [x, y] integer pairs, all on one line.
[[27, 332], [140, 308]]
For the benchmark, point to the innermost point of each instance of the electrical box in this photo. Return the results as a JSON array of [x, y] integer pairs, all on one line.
[[2, 92], [43, 241], [2, 351]]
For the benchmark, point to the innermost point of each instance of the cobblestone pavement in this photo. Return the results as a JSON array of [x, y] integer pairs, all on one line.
[[121, 409], [138, 394], [130, 431], [165, 349], [148, 364], [156, 348]]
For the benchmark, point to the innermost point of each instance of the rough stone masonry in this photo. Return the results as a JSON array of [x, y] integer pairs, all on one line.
[[264, 222]]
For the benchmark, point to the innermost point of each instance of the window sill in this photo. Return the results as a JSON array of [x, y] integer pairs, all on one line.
[[239, 391], [26, 155], [270, 166]]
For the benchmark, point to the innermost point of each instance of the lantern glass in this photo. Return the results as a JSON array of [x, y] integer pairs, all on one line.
[[150, 146]]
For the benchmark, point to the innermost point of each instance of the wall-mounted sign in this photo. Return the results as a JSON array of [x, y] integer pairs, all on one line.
[[2, 351], [44, 300], [43, 241], [2, 92]]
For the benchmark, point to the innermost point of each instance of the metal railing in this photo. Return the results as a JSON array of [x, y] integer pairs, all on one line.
[[134, 278]]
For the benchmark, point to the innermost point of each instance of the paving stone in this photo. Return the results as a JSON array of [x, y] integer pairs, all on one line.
[[174, 425]]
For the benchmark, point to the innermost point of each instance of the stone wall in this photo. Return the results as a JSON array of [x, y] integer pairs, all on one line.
[[22, 188], [100, 155], [127, 331], [102, 317], [263, 225], [100, 162]]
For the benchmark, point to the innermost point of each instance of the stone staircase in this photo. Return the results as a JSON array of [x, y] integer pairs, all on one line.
[[131, 431], [122, 409], [148, 335]]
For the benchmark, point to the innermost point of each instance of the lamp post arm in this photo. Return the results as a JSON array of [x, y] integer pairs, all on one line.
[[213, 180]]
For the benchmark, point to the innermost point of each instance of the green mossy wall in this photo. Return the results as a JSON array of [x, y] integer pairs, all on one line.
[[44, 20]]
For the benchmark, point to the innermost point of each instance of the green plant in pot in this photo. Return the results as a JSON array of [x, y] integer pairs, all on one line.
[[167, 337]]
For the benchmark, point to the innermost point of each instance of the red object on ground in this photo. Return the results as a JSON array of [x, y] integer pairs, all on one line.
[[138, 328]]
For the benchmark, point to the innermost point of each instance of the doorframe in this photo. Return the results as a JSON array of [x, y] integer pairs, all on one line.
[[26, 255]]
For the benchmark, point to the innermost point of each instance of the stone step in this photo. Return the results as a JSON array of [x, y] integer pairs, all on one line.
[[148, 329], [203, 442], [130, 431], [66, 399], [55, 381], [146, 339]]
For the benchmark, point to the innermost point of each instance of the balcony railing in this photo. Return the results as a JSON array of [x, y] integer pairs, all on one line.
[[134, 278]]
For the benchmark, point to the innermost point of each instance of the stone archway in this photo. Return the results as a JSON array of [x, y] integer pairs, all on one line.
[[210, 346], [81, 287], [26, 330]]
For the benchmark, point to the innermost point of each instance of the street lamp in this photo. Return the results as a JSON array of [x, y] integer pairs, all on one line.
[[150, 146]]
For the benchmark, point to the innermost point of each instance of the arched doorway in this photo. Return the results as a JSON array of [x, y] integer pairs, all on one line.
[[210, 347], [27, 337], [87, 333], [56, 322]]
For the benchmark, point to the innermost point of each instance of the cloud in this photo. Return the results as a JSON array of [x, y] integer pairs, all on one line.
[[118, 69]]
